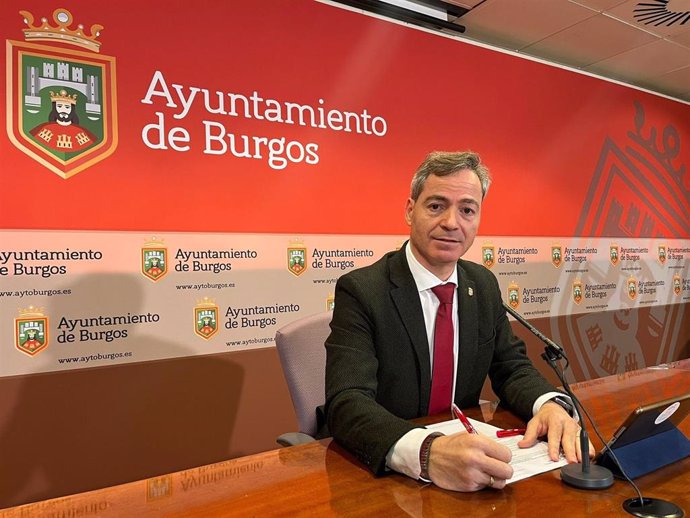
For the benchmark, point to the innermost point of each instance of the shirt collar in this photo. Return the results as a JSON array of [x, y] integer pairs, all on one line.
[[423, 278]]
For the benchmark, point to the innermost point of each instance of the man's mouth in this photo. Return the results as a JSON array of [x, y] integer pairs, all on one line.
[[448, 240]]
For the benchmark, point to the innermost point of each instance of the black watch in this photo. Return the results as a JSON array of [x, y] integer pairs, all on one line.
[[424, 452], [567, 406]]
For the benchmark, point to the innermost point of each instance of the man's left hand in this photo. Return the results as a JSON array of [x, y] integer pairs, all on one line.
[[563, 432]]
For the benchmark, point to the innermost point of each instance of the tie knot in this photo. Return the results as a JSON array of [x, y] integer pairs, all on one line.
[[444, 292]]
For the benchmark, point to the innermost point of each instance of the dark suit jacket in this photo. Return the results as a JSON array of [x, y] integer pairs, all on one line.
[[378, 373]]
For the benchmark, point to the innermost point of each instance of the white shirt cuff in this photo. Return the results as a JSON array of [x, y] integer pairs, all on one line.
[[547, 397], [403, 456]]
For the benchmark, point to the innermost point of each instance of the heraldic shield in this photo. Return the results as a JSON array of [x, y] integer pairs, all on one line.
[[61, 103], [206, 320], [31, 334]]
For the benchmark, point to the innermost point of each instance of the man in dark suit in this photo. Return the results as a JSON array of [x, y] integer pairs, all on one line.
[[379, 371]]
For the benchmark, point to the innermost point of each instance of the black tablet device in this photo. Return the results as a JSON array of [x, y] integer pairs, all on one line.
[[649, 420]]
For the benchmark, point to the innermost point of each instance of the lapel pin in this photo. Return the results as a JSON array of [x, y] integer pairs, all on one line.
[[470, 291]]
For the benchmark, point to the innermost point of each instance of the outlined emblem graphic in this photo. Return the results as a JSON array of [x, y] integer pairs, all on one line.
[[614, 254], [638, 191], [631, 287], [330, 302], [296, 258], [31, 331], [661, 253], [154, 259], [206, 318], [514, 295], [677, 284], [488, 255], [577, 291], [61, 96], [159, 487], [557, 255]]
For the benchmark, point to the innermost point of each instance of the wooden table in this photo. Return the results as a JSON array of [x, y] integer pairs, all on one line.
[[321, 479]]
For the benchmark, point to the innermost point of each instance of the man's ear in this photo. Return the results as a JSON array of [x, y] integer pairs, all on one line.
[[408, 210]]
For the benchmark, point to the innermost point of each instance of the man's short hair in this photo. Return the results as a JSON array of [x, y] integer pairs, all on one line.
[[444, 163]]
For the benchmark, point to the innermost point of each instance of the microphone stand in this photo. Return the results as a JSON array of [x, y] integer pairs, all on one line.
[[586, 475], [592, 476]]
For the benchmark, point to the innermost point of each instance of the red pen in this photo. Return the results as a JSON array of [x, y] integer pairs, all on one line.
[[510, 433], [463, 419]]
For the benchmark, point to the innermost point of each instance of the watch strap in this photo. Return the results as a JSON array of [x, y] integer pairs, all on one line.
[[565, 404], [424, 452]]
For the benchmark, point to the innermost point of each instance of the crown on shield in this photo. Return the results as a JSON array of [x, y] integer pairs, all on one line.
[[63, 97], [30, 312], [206, 303], [154, 243], [44, 31]]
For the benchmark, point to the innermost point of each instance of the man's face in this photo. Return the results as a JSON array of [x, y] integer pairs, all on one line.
[[444, 220], [63, 110]]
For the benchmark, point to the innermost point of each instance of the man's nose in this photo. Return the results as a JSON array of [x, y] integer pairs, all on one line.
[[450, 220]]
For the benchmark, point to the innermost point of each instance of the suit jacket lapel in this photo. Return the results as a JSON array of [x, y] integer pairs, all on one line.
[[406, 299], [468, 319]]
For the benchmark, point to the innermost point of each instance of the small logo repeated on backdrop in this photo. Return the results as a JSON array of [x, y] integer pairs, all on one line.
[[31, 331], [330, 302], [614, 253], [154, 259], [514, 295], [206, 318], [631, 284], [677, 284], [662, 254], [577, 291], [488, 255], [296, 257], [61, 102], [557, 255]]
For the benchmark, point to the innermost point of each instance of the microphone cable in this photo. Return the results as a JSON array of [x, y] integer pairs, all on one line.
[[578, 406]]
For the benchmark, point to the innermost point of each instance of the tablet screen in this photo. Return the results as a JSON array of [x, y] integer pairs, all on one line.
[[651, 419]]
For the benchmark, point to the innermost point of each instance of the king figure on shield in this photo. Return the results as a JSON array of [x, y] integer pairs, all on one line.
[[62, 131]]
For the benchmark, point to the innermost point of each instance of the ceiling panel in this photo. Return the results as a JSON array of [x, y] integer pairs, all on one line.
[[516, 23], [589, 41], [599, 5], [682, 38], [645, 62], [674, 82]]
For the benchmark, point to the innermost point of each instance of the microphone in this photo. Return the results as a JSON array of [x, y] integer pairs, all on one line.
[[586, 475], [557, 349]]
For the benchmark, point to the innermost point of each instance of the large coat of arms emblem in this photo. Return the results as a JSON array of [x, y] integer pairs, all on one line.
[[61, 96]]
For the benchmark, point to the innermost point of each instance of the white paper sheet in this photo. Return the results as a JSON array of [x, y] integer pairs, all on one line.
[[526, 462]]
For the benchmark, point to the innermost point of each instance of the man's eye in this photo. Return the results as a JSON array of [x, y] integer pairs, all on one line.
[[435, 207], [468, 211]]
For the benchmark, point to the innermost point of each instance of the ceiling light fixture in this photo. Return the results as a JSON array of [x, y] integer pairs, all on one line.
[[663, 12], [432, 14]]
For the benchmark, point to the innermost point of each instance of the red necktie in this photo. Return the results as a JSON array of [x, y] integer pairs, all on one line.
[[442, 375]]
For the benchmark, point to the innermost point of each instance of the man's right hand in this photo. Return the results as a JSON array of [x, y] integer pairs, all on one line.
[[467, 462]]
